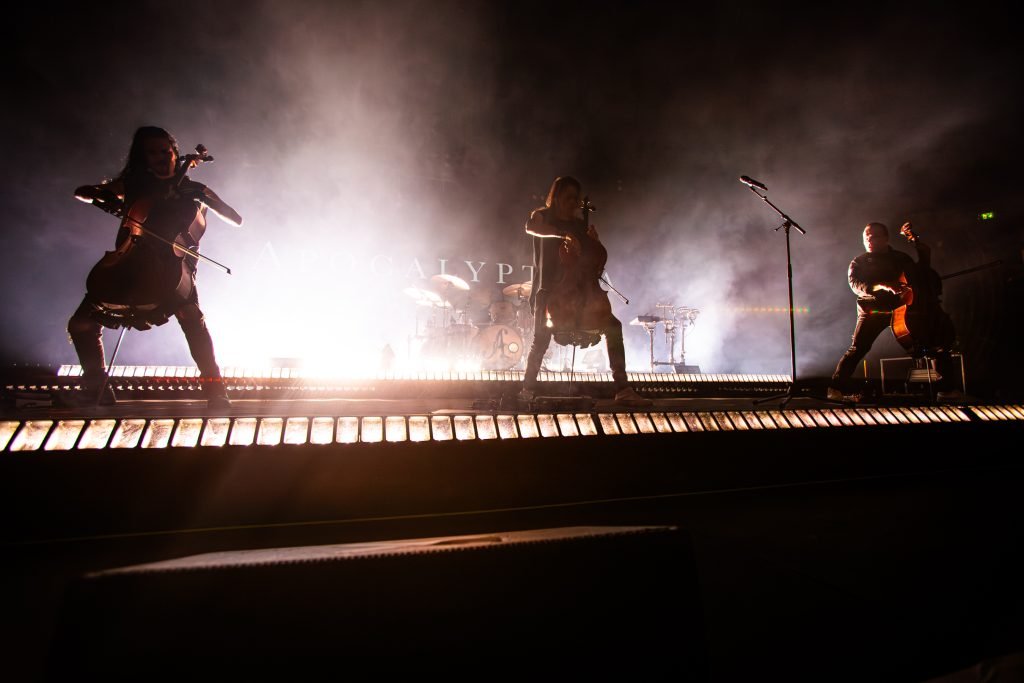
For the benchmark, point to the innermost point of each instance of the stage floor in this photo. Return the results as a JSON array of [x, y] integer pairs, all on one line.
[[831, 542]]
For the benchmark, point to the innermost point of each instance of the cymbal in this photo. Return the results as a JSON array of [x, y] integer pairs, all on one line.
[[424, 297], [447, 280], [417, 293], [522, 289]]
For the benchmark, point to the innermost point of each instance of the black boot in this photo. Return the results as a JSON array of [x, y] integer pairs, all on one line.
[[216, 394]]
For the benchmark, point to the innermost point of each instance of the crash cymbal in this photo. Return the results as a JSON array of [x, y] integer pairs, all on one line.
[[446, 280], [522, 289], [416, 293]]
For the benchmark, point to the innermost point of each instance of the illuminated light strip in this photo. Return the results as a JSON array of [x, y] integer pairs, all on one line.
[[1007, 414], [819, 418], [626, 424], [215, 432], [585, 422], [371, 429], [566, 425], [693, 422], [130, 433], [528, 426], [31, 435], [296, 431], [485, 427], [243, 431], [1018, 413], [187, 433], [441, 428], [980, 412], [548, 427], [677, 422], [956, 414], [268, 433], [347, 430], [321, 431], [920, 416], [608, 424], [7, 430], [97, 434], [739, 421], [709, 422], [276, 375], [661, 423], [723, 421], [644, 424], [507, 427], [752, 420], [805, 418], [64, 435], [158, 433], [464, 427], [419, 428], [999, 413]]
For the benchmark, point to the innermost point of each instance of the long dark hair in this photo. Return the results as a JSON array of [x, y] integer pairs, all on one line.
[[561, 182], [135, 164]]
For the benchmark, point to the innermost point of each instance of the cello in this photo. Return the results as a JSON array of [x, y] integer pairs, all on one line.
[[577, 307], [920, 324], [148, 275]]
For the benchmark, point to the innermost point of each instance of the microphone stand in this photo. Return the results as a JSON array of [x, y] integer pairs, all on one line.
[[787, 224]]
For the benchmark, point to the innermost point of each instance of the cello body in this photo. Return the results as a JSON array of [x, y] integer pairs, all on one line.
[[145, 279], [921, 325], [578, 308]]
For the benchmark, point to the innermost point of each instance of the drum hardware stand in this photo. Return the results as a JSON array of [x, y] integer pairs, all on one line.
[[787, 224], [677, 318]]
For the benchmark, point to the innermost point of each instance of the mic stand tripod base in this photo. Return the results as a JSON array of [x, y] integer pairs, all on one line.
[[802, 389]]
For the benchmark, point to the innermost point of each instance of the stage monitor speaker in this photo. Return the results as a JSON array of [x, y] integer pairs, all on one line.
[[574, 599]]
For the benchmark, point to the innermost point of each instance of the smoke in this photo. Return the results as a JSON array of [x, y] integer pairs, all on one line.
[[365, 143]]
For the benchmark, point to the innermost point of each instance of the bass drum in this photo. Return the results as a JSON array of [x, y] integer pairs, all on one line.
[[502, 313], [498, 347]]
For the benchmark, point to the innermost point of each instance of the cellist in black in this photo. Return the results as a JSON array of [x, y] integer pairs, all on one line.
[[152, 191], [552, 226]]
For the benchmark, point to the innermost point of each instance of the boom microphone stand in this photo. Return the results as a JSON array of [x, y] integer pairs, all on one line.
[[787, 224]]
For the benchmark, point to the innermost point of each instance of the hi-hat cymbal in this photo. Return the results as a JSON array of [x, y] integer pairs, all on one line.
[[522, 289], [447, 280]]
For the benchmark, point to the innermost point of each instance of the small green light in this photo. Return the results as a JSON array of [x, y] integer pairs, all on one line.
[[987, 216]]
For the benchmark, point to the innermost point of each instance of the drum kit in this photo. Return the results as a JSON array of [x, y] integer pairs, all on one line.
[[461, 326]]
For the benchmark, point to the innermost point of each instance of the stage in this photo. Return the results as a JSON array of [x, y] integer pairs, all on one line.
[[818, 534]]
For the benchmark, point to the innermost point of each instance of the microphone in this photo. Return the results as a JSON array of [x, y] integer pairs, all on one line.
[[753, 183]]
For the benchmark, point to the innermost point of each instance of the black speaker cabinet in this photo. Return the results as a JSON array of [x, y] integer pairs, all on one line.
[[576, 599]]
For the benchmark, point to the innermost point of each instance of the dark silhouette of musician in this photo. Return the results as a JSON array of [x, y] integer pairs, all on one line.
[[174, 207], [551, 225], [881, 278]]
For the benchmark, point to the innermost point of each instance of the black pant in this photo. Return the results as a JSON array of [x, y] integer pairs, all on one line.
[[87, 336], [611, 329], [869, 326]]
